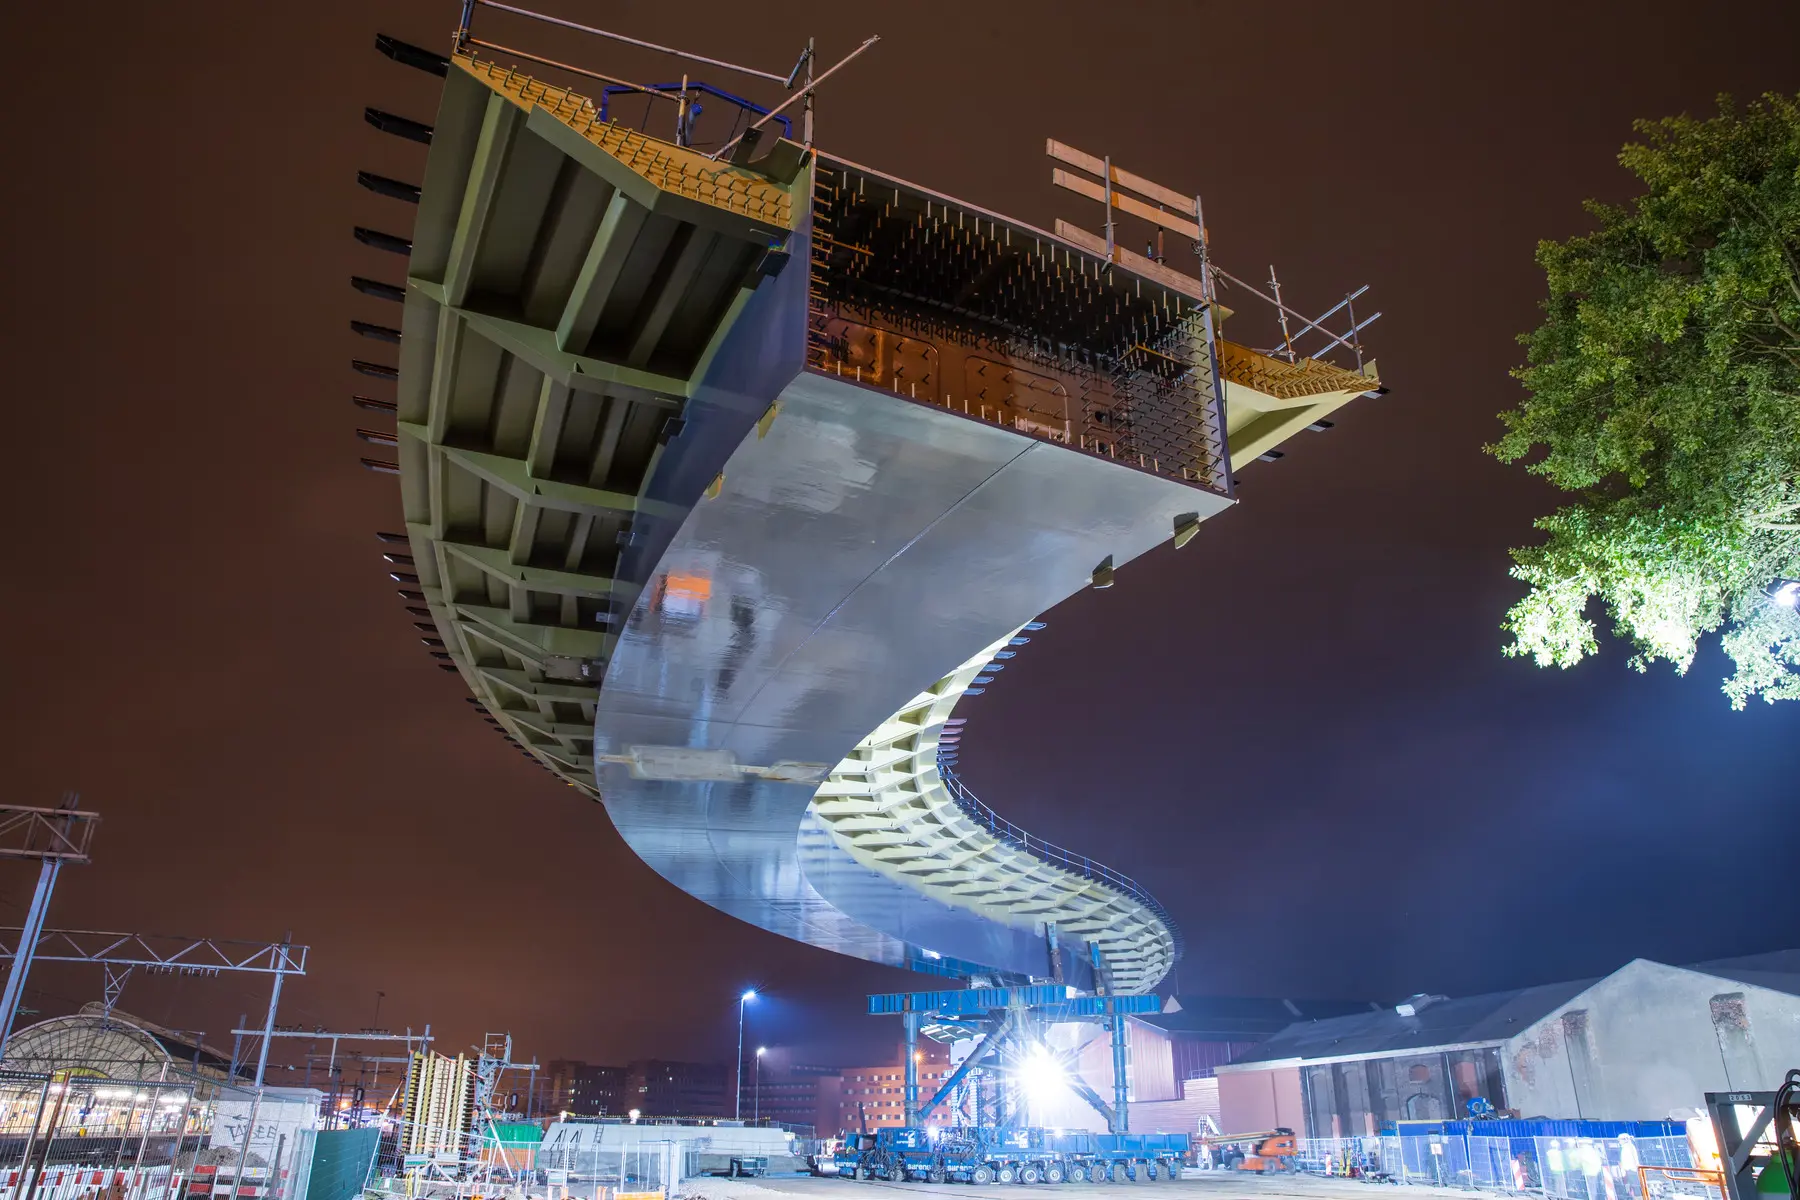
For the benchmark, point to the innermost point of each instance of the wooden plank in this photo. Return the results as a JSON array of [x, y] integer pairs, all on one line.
[[1137, 264], [1149, 188], [1137, 208]]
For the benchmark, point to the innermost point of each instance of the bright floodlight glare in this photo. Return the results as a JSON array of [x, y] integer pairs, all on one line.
[[1041, 1076], [1787, 594], [633, 1114], [748, 996], [761, 1050]]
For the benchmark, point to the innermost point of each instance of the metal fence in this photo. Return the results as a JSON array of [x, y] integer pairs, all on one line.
[[1568, 1168], [589, 1172], [642, 1165], [74, 1137], [1604, 1168], [1360, 1156]]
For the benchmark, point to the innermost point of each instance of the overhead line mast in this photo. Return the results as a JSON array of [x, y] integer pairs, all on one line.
[[52, 836]]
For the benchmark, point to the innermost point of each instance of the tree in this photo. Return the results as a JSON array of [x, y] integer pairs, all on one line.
[[1664, 391]]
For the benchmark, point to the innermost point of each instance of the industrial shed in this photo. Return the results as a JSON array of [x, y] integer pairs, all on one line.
[[1647, 1041]]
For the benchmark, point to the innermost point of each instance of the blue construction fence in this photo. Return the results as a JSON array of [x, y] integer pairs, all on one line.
[[1567, 1160]]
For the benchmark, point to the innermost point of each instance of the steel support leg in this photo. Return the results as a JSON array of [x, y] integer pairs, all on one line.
[[910, 1098], [1121, 1065]]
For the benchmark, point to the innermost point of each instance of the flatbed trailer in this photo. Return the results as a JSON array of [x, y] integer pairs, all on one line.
[[982, 1155]]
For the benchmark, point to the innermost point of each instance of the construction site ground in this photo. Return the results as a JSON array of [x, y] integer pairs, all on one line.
[[1194, 1185]]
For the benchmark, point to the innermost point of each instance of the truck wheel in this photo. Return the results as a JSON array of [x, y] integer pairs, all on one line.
[[1007, 1174], [981, 1175], [1150, 1172], [1078, 1175], [1031, 1174], [937, 1175], [1054, 1173]]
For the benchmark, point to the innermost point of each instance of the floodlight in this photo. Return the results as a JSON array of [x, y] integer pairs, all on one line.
[[1042, 1077], [748, 996], [761, 1050], [1786, 593]]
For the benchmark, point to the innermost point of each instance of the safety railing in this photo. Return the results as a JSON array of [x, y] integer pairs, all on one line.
[[1057, 856], [1564, 1168]]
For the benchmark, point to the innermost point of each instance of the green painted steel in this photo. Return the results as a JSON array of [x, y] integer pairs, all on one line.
[[341, 1161], [515, 1133]]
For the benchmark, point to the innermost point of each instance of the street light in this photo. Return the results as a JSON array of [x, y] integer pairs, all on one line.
[[756, 1094], [737, 1108], [1786, 593]]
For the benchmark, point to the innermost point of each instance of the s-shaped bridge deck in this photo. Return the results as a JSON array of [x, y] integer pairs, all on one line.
[[723, 481]]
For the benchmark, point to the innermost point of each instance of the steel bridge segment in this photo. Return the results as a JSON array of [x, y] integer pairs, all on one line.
[[891, 808], [854, 555], [617, 464]]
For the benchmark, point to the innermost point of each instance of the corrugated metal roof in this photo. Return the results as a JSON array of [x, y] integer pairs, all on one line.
[[1245, 1018], [1467, 1020], [1778, 970], [1490, 1018]]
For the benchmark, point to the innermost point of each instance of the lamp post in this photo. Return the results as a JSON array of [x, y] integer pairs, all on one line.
[[756, 1092], [737, 1108]]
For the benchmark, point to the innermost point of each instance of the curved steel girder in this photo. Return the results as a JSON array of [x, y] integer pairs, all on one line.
[[888, 807], [856, 548], [853, 551]]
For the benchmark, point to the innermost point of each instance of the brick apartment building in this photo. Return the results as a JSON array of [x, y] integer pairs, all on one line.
[[874, 1097], [828, 1099]]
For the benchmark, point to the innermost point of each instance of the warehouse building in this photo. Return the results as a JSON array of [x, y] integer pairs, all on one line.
[[1645, 1042]]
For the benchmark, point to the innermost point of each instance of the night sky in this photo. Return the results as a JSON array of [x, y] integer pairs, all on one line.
[[1298, 731]]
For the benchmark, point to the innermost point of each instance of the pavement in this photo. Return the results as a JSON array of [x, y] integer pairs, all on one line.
[[1194, 1185]]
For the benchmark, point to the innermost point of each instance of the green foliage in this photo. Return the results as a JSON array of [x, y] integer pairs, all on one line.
[[1664, 391]]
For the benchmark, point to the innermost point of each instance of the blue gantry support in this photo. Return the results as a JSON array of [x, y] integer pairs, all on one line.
[[1121, 1113], [1012, 1011], [910, 1097], [985, 1051]]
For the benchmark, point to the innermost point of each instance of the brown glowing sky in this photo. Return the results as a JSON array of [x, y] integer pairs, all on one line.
[[1340, 787]]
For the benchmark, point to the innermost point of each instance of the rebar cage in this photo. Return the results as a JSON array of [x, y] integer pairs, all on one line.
[[948, 305]]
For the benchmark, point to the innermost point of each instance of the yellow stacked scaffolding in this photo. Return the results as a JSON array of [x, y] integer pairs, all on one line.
[[439, 1108]]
